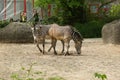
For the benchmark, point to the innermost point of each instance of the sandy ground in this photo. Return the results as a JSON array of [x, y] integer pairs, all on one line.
[[96, 57]]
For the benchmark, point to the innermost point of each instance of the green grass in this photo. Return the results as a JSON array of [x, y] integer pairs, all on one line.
[[29, 74], [56, 78], [100, 76]]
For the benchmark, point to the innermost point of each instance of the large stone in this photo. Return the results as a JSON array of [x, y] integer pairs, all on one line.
[[16, 32], [111, 32]]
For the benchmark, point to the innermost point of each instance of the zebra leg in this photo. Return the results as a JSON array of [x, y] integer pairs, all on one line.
[[39, 47], [62, 45], [43, 45], [68, 46], [54, 45], [50, 46]]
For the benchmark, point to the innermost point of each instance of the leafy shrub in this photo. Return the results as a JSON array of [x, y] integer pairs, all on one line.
[[3, 24], [115, 11], [52, 19], [90, 29]]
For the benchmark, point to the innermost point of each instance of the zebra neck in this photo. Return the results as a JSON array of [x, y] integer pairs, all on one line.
[[74, 36]]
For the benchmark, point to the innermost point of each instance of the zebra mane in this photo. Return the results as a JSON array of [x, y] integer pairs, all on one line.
[[76, 34]]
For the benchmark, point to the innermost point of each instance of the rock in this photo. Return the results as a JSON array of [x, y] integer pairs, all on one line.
[[16, 32], [111, 32]]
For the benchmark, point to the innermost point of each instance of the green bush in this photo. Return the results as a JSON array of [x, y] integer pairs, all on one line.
[[3, 24], [90, 29], [115, 11], [52, 19]]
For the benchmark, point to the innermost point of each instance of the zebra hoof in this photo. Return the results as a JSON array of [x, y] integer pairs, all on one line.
[[55, 53], [79, 53], [41, 51]]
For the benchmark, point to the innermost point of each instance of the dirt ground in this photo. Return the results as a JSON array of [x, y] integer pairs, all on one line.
[[95, 57]]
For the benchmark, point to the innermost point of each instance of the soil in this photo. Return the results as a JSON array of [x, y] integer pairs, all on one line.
[[96, 57]]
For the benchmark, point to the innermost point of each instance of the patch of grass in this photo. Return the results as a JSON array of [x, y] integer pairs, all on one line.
[[100, 76], [2, 79], [40, 79], [30, 74], [56, 78]]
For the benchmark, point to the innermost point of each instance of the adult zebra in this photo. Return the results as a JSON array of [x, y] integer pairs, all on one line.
[[65, 33], [39, 34]]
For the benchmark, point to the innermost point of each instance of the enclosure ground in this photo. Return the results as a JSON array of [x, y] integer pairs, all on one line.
[[96, 57]]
